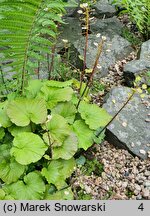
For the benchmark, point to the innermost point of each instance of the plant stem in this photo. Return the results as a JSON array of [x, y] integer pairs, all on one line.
[[3, 81], [50, 67], [86, 47], [100, 48]]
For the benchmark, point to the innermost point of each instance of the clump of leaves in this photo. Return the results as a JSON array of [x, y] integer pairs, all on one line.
[[138, 11], [40, 132]]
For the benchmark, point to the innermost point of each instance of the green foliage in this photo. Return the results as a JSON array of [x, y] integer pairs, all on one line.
[[39, 136], [92, 166], [28, 31], [130, 37], [138, 11]]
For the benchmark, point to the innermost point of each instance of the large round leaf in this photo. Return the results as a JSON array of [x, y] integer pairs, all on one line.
[[33, 88], [65, 194], [4, 152], [67, 110], [14, 130], [28, 148], [84, 134], [21, 111], [93, 115], [11, 171], [4, 119], [54, 95], [58, 130], [58, 171], [68, 148], [32, 188], [58, 84]]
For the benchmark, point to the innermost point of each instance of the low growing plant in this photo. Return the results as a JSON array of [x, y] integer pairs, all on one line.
[[40, 132], [138, 11]]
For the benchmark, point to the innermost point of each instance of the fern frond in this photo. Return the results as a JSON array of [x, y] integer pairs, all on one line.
[[28, 31]]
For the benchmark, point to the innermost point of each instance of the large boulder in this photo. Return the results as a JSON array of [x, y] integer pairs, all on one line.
[[135, 67], [110, 25], [104, 9], [115, 48], [131, 128]]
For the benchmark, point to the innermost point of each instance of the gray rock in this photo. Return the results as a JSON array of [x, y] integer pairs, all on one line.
[[135, 67], [104, 9], [129, 130], [110, 25], [115, 48], [71, 11], [70, 31]]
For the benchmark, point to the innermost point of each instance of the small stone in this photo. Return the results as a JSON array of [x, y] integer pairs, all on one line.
[[87, 189], [136, 192], [145, 192], [147, 173], [142, 151], [132, 144], [137, 187], [147, 184], [104, 176], [124, 184]]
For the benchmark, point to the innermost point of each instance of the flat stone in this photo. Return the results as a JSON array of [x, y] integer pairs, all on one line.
[[137, 131], [104, 9]]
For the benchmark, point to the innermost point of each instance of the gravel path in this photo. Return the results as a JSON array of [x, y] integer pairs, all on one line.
[[124, 176]]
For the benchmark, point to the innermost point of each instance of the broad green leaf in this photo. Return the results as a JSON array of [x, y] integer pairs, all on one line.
[[28, 148], [58, 130], [14, 130], [93, 115], [33, 88], [31, 188], [4, 119], [84, 133], [67, 110], [3, 195], [59, 84], [2, 133], [10, 171], [58, 171], [21, 111], [4, 152], [65, 194], [68, 148], [54, 95]]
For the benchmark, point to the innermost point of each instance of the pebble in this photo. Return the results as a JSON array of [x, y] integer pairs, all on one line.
[[122, 172], [87, 189], [147, 184], [142, 151], [137, 187], [147, 173], [146, 193]]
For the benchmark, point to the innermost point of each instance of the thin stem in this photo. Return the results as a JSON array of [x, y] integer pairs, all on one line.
[[100, 47], [97, 135], [38, 71], [3, 81], [86, 47], [50, 69]]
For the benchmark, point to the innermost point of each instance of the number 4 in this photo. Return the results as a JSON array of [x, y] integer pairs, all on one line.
[[141, 207]]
